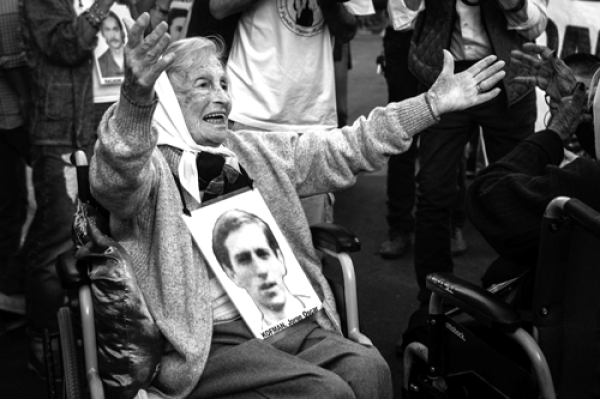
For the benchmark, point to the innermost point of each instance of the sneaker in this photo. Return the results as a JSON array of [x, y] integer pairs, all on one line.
[[458, 244], [12, 303], [395, 246]]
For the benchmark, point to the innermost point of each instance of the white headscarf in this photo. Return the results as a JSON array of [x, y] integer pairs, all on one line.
[[596, 108], [173, 131]]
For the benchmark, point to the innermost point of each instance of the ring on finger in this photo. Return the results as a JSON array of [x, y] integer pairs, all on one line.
[[479, 89]]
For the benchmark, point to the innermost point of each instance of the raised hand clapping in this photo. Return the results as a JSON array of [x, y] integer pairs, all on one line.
[[543, 69], [476, 85]]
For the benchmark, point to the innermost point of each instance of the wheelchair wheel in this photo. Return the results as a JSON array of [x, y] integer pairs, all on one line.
[[68, 349]]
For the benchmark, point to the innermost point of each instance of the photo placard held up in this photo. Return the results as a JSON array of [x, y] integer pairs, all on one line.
[[109, 67], [254, 263]]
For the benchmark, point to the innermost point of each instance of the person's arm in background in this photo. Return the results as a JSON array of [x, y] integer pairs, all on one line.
[[402, 13], [341, 23], [13, 61], [223, 8], [527, 17], [60, 34]]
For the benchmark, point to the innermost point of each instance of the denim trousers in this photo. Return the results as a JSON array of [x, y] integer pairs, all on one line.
[[401, 185], [55, 185], [441, 150], [14, 155]]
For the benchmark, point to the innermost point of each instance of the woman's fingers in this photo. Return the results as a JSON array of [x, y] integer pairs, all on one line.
[[135, 29], [491, 72], [154, 38], [481, 65], [486, 96], [157, 47]]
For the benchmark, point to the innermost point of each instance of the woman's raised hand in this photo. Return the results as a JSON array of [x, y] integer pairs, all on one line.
[[144, 60], [474, 86]]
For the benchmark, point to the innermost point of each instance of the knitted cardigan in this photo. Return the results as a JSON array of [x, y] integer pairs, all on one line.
[[132, 179]]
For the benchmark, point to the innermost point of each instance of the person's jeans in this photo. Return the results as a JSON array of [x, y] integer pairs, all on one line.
[[55, 186], [441, 150], [401, 186], [401, 84], [14, 154]]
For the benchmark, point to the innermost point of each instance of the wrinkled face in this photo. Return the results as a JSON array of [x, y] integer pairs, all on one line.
[[111, 31], [206, 104], [256, 268]]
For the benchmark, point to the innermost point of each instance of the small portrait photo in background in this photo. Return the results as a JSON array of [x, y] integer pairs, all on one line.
[[254, 263], [110, 52], [177, 21]]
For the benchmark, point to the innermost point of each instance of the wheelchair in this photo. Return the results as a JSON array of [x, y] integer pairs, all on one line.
[[486, 348], [81, 376]]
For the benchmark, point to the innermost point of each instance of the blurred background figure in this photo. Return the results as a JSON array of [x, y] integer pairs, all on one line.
[[470, 31], [14, 155], [401, 184], [281, 61], [203, 23], [61, 50]]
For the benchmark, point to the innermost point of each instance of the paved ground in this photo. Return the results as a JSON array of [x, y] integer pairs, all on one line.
[[387, 289]]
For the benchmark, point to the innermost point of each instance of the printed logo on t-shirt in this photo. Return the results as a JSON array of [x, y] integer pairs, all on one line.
[[303, 17]]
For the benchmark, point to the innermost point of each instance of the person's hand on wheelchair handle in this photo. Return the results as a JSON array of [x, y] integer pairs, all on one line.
[[474, 86], [143, 57]]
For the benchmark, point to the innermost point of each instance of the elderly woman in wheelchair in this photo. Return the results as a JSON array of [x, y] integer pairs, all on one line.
[[165, 149]]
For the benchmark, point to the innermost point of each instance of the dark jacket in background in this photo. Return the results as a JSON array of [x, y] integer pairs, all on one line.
[[62, 74], [507, 200], [202, 23]]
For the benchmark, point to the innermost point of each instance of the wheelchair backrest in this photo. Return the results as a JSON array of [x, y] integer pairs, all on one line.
[[566, 304]]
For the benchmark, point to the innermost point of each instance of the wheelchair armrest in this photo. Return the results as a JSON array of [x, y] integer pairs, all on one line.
[[475, 300], [72, 273], [334, 237]]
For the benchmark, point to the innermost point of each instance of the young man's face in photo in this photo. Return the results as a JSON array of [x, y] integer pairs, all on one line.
[[111, 31], [176, 27], [256, 268]]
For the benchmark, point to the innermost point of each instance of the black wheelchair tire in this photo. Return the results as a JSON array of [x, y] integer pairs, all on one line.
[[68, 349]]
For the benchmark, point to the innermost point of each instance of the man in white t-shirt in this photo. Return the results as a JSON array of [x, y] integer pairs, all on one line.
[[281, 68]]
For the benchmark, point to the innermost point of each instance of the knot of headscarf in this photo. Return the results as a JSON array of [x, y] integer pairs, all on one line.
[[215, 177], [173, 131]]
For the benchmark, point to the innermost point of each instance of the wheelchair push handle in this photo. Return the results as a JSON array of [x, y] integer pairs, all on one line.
[[574, 208], [475, 300], [80, 161]]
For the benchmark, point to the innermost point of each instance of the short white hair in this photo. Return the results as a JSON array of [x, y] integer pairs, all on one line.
[[191, 53]]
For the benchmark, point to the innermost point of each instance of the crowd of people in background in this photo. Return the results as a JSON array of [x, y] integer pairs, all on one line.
[[287, 66]]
